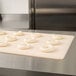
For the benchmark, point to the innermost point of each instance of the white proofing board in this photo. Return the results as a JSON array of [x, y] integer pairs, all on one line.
[[59, 53]]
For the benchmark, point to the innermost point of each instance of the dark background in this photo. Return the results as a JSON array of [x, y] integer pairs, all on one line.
[[51, 21], [0, 17]]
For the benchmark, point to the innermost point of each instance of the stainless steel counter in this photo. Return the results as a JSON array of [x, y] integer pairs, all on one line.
[[66, 66], [14, 21]]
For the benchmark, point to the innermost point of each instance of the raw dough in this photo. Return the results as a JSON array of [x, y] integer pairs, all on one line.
[[19, 33], [4, 44], [58, 37], [48, 49], [24, 46], [38, 35], [3, 33], [54, 42], [11, 38], [31, 40]]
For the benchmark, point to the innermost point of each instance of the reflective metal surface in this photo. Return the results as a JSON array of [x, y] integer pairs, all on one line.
[[55, 10], [14, 72], [55, 15], [15, 21], [55, 3]]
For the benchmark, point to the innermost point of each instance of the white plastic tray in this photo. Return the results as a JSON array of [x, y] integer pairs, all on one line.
[[59, 53]]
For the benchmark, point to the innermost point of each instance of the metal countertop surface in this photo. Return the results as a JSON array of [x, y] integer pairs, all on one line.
[[65, 66]]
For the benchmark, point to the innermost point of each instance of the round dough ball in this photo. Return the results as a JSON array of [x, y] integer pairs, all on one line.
[[31, 40], [48, 49], [54, 42], [58, 37], [19, 33], [11, 38], [24, 46], [3, 33], [4, 44], [38, 35]]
